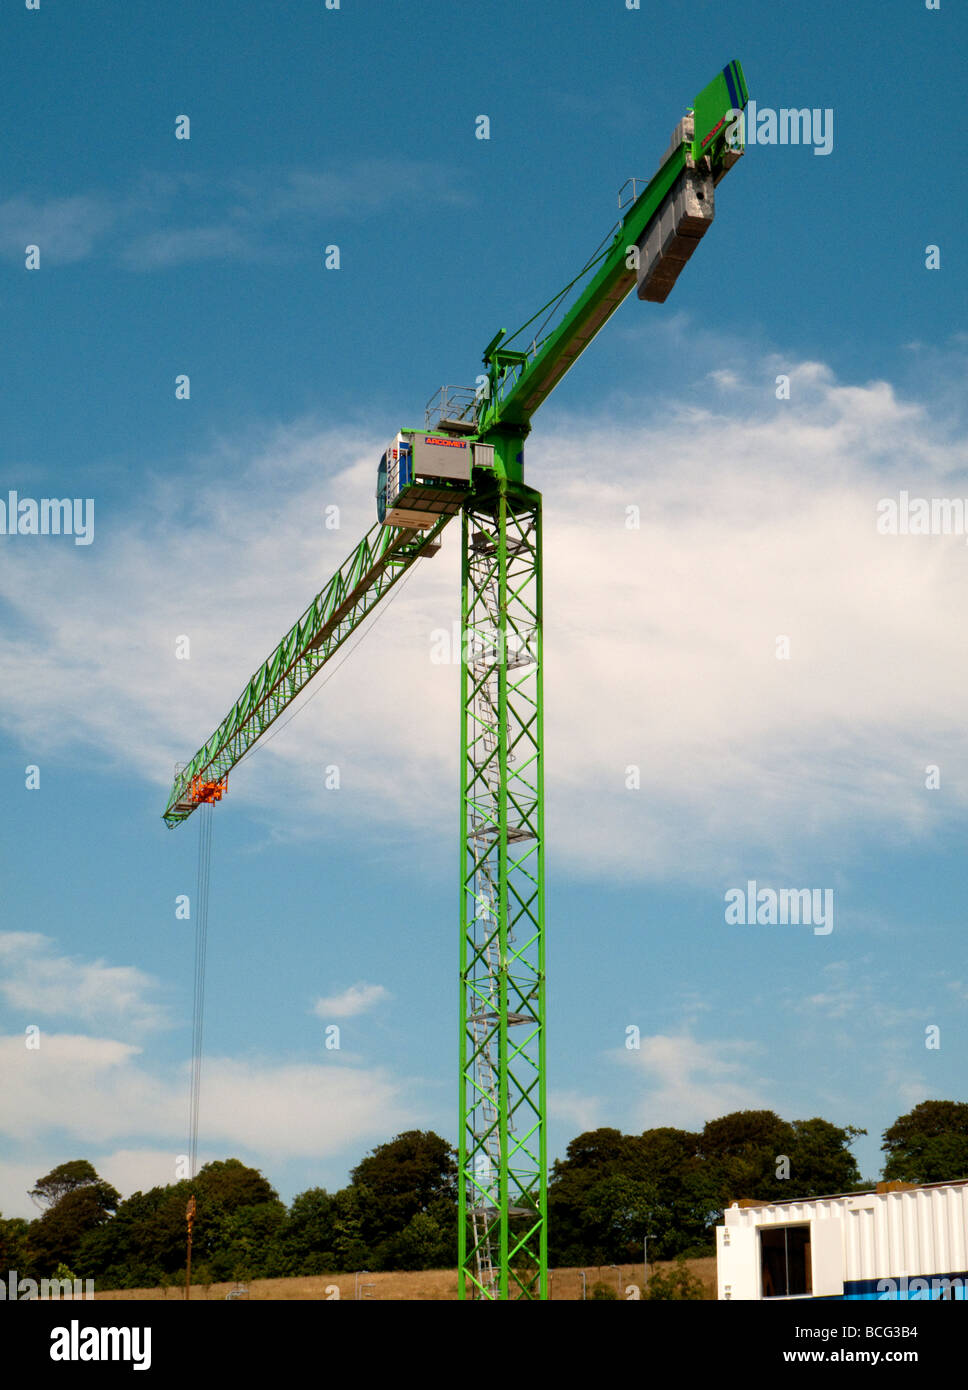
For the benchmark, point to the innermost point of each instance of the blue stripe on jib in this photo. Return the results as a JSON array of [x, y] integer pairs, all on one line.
[[731, 88]]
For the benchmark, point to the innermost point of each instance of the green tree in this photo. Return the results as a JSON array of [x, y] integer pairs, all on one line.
[[238, 1217], [616, 1213], [821, 1163], [612, 1189], [422, 1244], [59, 1233], [146, 1238], [686, 1193], [676, 1284], [589, 1159], [77, 1202], [303, 1243], [14, 1247], [247, 1238], [595, 1150], [234, 1184], [414, 1173], [349, 1246], [69, 1177], [743, 1150], [929, 1143], [604, 1293]]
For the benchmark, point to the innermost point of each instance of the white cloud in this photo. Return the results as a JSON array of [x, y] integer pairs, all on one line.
[[337, 1106], [65, 229], [686, 1082], [41, 984], [180, 245], [907, 1084], [660, 642], [166, 220], [96, 1092], [16, 1181], [351, 1002], [859, 992], [88, 1087], [572, 1108]]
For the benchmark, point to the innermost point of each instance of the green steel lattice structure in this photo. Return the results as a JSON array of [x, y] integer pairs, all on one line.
[[382, 557], [503, 1220], [502, 1151]]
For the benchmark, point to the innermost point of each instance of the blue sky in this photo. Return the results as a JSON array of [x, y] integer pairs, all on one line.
[[355, 127]]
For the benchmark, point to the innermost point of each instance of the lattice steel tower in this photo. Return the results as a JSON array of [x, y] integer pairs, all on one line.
[[502, 1150], [468, 460]]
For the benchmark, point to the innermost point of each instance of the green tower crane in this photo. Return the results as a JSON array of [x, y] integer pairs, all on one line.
[[469, 459]]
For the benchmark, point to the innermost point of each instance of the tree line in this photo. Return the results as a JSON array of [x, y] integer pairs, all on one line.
[[399, 1210]]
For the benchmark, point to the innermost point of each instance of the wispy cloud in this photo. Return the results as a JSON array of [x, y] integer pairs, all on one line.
[[41, 984], [158, 250], [684, 1081], [579, 1112], [858, 991], [753, 522], [358, 999], [100, 1092], [369, 186], [66, 229], [166, 220]]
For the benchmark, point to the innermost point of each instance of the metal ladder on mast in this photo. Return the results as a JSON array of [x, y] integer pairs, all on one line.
[[484, 826], [486, 662]]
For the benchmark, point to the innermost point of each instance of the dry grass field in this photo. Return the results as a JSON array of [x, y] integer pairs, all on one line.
[[427, 1285]]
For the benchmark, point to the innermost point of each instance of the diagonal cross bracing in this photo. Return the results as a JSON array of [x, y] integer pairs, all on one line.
[[503, 1206], [382, 557]]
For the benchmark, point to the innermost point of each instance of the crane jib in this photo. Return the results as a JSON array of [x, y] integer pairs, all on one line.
[[610, 286], [700, 153], [662, 227], [379, 561]]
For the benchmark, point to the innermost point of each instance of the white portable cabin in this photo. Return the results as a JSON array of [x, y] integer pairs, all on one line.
[[896, 1242]]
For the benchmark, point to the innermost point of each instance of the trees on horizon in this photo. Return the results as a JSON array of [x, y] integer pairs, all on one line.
[[399, 1210]]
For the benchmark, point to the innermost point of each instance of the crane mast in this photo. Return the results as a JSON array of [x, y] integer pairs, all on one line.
[[502, 1143], [469, 459]]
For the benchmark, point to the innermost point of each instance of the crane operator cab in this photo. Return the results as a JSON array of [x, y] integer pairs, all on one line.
[[423, 476]]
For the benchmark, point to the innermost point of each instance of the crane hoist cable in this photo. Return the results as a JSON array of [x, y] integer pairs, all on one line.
[[202, 900], [201, 947], [552, 305], [365, 630]]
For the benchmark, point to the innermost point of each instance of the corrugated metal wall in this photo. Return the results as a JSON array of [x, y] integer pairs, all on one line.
[[924, 1231], [884, 1235]]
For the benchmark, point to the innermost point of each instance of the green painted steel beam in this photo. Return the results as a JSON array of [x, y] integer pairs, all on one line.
[[519, 387], [519, 382], [381, 558], [502, 1147]]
